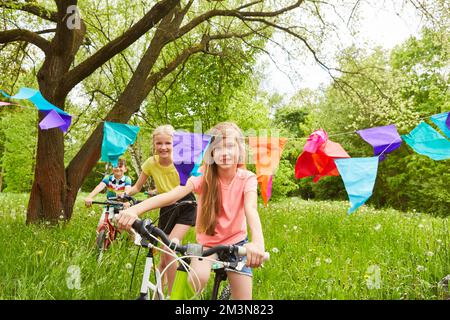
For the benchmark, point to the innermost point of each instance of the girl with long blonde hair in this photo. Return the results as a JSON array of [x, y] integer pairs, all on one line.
[[175, 221], [227, 202]]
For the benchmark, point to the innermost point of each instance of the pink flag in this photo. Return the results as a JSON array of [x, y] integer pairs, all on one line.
[[6, 104], [315, 140]]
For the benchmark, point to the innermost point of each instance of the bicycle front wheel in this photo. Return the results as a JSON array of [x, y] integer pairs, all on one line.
[[226, 293]]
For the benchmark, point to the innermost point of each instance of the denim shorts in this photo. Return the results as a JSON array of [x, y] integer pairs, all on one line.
[[245, 270]]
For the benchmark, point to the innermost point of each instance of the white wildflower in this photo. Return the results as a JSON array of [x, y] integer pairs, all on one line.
[[377, 227], [128, 265], [328, 260], [275, 250], [318, 262], [430, 253], [420, 268]]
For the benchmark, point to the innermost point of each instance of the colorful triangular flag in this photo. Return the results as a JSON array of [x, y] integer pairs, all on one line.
[[442, 120], [320, 163], [41, 104], [265, 183], [427, 141], [383, 139], [188, 151], [359, 175], [51, 120], [116, 139]]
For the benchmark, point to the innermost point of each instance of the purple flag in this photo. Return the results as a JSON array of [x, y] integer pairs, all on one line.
[[383, 139], [51, 120], [188, 152]]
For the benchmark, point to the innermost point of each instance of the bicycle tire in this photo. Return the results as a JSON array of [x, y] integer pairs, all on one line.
[[100, 242], [226, 293]]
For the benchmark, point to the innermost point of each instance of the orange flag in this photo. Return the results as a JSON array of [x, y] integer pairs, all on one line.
[[265, 183], [266, 154]]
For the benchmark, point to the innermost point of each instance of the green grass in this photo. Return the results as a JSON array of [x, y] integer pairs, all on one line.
[[317, 252]]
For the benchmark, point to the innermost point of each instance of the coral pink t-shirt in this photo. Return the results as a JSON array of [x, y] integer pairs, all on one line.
[[231, 224]]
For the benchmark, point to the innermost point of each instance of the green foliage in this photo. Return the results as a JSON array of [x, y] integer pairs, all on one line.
[[19, 146], [283, 183]]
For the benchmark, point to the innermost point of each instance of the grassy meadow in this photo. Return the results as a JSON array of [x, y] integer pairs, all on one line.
[[317, 252]]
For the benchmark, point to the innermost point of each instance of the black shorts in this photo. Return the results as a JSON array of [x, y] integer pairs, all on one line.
[[184, 214]]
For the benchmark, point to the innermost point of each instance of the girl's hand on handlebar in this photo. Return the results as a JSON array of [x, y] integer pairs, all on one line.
[[126, 218], [255, 255], [126, 205], [88, 202]]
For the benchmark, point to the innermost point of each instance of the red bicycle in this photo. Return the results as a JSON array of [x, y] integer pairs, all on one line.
[[107, 230]]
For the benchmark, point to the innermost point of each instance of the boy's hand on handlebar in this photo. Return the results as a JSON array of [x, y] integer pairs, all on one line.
[[88, 202], [126, 218], [255, 255]]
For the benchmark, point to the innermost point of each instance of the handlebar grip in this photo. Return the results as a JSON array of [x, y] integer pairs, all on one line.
[[138, 226], [242, 251]]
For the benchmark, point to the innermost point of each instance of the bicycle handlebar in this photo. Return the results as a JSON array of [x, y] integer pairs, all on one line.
[[117, 204], [146, 229]]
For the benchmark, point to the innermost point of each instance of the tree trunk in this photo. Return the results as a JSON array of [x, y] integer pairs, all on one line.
[[48, 197], [48, 193]]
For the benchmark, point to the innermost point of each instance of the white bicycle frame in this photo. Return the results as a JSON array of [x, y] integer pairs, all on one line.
[[147, 285], [156, 289]]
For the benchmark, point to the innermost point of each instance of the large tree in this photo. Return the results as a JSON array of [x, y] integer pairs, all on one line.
[[55, 185]]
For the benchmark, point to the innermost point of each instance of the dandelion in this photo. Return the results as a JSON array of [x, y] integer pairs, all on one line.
[[420, 268], [328, 260], [128, 265], [377, 227], [275, 250], [47, 222], [373, 277], [430, 253], [61, 217], [317, 262]]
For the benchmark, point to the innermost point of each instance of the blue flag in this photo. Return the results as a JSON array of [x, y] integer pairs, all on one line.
[[42, 105], [441, 121], [116, 139], [359, 175], [428, 142]]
